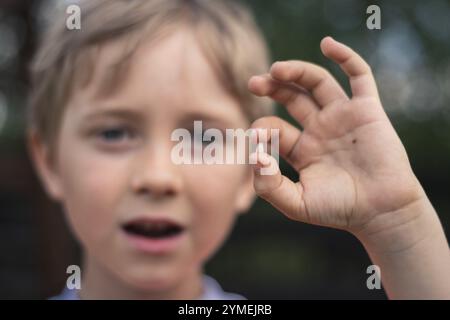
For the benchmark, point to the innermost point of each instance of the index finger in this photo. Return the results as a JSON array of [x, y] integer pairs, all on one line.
[[355, 67]]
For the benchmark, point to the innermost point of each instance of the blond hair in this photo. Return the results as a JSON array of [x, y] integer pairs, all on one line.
[[226, 31]]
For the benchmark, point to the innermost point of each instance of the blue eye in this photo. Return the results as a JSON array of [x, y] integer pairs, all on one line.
[[114, 134]]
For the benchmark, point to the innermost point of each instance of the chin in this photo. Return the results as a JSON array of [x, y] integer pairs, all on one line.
[[153, 279]]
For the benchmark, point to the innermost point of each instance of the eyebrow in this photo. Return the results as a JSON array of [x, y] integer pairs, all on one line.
[[213, 118], [137, 116], [122, 113]]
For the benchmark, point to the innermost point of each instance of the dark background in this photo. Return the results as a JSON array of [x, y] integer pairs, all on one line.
[[267, 255]]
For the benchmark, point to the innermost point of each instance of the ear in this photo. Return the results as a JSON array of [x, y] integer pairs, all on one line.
[[44, 165], [246, 193]]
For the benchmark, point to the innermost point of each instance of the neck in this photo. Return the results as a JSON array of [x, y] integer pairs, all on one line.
[[99, 283]]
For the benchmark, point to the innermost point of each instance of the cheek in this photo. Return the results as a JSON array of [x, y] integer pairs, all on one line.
[[213, 199], [92, 189]]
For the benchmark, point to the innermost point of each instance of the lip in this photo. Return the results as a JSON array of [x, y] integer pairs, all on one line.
[[155, 246]]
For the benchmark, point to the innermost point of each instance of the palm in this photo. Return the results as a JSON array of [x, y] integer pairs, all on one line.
[[352, 159], [349, 158]]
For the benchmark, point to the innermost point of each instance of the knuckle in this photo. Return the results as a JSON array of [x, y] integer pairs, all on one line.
[[320, 70]]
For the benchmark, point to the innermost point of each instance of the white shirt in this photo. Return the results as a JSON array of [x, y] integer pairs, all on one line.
[[211, 291]]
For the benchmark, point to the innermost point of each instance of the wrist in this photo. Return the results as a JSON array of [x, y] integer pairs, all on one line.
[[411, 250], [402, 229]]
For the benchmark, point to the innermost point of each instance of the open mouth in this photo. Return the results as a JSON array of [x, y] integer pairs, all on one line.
[[153, 229]]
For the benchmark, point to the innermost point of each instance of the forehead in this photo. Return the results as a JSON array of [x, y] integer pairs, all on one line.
[[166, 75]]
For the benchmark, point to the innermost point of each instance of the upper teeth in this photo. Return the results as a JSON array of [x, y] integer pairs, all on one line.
[[154, 226]]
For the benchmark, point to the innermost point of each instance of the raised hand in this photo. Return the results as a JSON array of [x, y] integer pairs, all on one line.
[[353, 168]]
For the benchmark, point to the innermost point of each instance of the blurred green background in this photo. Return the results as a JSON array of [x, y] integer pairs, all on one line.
[[267, 256]]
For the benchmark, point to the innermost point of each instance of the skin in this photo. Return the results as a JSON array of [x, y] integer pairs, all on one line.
[[103, 181], [354, 171]]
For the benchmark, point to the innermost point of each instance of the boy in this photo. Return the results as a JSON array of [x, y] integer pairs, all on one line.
[[106, 99]]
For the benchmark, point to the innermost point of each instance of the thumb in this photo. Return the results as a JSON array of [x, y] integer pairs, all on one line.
[[275, 188]]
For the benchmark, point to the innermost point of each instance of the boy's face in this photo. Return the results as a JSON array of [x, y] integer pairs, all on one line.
[[114, 173]]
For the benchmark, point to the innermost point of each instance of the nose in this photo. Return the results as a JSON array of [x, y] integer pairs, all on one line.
[[154, 174]]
